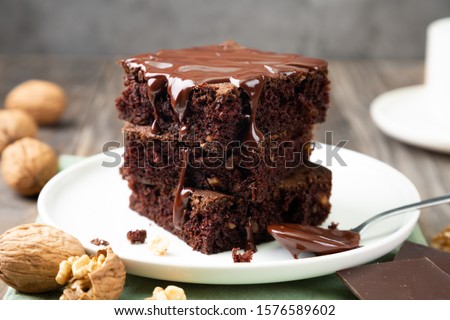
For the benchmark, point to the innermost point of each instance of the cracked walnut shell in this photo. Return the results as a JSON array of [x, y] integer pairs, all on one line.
[[30, 255], [27, 165], [45, 101], [100, 277], [14, 125]]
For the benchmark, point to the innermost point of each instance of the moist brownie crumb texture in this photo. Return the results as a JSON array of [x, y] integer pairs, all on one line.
[[218, 139]]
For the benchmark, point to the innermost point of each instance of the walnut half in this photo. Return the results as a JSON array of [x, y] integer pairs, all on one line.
[[100, 277]]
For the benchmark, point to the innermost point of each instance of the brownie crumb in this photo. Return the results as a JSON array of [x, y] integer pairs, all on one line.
[[333, 225], [241, 257], [99, 242], [137, 236]]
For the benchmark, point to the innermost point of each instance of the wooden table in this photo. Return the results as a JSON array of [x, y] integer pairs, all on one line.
[[92, 83]]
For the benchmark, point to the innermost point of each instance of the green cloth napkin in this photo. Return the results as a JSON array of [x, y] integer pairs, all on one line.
[[138, 288]]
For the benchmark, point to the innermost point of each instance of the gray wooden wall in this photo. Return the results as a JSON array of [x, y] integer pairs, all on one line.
[[326, 28]]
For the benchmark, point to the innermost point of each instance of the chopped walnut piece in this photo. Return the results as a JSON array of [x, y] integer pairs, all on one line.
[[441, 241], [137, 236], [65, 270], [158, 245], [170, 293], [78, 267], [247, 256]]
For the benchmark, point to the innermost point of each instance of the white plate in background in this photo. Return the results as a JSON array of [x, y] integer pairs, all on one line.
[[405, 114]]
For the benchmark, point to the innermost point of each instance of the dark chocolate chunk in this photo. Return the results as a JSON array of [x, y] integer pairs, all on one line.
[[415, 279], [410, 250]]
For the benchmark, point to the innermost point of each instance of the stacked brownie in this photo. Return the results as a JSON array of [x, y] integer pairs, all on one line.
[[217, 142]]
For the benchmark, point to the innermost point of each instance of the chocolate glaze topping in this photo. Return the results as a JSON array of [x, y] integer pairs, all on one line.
[[181, 70], [182, 194], [301, 238]]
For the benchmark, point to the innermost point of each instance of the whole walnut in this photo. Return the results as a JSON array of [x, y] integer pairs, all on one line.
[[30, 255], [45, 101], [27, 165], [15, 124]]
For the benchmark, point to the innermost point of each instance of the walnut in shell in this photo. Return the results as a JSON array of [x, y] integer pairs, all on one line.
[[44, 100], [27, 165], [100, 277], [30, 255], [14, 125]]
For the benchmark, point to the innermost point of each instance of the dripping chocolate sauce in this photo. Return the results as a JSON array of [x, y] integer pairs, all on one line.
[[249, 241], [182, 194], [301, 238], [155, 85], [178, 71]]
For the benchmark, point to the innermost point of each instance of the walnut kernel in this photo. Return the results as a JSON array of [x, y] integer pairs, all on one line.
[[442, 240], [14, 125], [214, 182], [99, 277], [45, 101], [159, 245], [231, 225], [170, 293], [27, 165]]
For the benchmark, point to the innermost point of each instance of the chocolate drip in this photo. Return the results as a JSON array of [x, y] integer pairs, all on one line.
[[155, 85], [249, 241], [253, 89], [183, 131], [301, 238], [182, 194], [181, 70]]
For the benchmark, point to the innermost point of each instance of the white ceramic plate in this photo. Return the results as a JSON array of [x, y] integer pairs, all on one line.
[[90, 201], [405, 114]]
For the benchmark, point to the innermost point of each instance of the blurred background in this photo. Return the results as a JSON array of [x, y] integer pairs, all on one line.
[[340, 29]]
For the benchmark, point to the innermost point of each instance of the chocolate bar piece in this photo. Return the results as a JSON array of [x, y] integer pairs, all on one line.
[[411, 250], [414, 279]]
